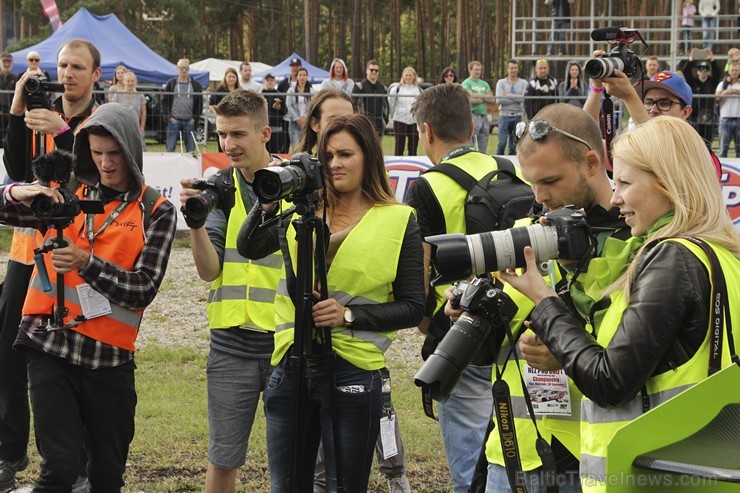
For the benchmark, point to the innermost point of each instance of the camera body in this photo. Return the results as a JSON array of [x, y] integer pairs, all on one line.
[[45, 208], [457, 256], [37, 92], [302, 175], [619, 58], [473, 338], [218, 190]]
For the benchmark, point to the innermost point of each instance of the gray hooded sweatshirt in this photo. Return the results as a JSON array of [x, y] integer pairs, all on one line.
[[123, 124]]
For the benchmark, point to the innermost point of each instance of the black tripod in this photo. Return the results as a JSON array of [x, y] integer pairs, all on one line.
[[310, 360]]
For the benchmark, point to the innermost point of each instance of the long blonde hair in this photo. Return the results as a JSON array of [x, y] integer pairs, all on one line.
[[672, 151]]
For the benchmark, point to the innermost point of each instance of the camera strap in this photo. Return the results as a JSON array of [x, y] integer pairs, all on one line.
[[607, 124], [544, 450]]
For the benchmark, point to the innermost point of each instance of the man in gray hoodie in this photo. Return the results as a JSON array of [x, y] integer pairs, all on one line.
[[81, 362]]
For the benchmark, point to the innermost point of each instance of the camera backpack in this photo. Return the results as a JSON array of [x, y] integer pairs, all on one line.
[[495, 201]]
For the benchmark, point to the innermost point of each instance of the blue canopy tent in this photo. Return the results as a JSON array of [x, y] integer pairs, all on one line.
[[117, 46], [282, 70]]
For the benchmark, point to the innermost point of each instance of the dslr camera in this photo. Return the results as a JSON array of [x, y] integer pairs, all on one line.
[[56, 167], [302, 175], [216, 191], [458, 256], [479, 329], [37, 92], [619, 58]]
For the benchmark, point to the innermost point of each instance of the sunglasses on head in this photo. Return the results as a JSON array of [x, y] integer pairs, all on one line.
[[539, 129]]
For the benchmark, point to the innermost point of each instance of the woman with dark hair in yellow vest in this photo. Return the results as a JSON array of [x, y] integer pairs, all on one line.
[[372, 294], [654, 340]]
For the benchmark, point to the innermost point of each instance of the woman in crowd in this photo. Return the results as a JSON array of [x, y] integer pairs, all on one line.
[[573, 90], [130, 97], [338, 78], [402, 97], [229, 83], [448, 76], [655, 338], [298, 101], [372, 294], [327, 104], [117, 85]]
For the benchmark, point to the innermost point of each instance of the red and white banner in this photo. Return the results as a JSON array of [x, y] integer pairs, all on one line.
[[52, 13]]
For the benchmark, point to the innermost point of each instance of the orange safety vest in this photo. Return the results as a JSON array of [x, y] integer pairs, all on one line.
[[120, 243], [24, 239]]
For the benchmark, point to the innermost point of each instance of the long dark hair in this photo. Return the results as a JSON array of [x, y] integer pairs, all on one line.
[[309, 137], [307, 87], [375, 185]]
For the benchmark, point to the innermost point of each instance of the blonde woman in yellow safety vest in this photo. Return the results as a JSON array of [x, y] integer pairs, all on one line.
[[375, 286], [655, 338]]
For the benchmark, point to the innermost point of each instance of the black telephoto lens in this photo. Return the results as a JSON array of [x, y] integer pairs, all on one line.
[[198, 206]]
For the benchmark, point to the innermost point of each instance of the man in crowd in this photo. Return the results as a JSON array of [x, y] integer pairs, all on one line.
[[510, 98], [78, 68], [480, 95], [445, 124], [703, 77], [562, 170], [7, 85], [288, 82], [652, 67], [81, 366], [560, 13], [728, 95], [245, 78], [276, 109], [541, 90], [372, 100], [240, 303], [183, 104]]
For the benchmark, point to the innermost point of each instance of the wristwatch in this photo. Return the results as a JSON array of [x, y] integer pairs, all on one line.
[[349, 317]]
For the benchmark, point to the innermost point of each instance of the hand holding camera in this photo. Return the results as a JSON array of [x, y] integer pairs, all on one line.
[[199, 197]]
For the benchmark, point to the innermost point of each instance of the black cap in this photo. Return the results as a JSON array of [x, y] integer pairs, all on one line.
[[295, 61], [704, 65], [269, 76], [6, 56]]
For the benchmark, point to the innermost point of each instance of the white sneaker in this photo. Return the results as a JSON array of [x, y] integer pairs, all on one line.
[[399, 485]]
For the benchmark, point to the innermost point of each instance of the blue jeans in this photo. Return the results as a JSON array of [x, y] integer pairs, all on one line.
[[506, 126], [710, 31], [177, 126], [481, 131], [463, 420], [357, 413], [294, 132], [685, 45], [729, 129], [557, 36], [498, 481]]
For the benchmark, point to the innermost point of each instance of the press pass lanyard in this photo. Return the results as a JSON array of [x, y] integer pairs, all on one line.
[[457, 152], [90, 219]]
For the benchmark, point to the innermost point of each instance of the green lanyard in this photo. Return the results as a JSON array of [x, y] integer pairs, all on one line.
[[457, 152], [90, 219]]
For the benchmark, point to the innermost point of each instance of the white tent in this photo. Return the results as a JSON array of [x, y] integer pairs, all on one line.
[[217, 67]]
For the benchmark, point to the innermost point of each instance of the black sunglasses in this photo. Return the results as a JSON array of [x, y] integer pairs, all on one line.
[[34, 60], [539, 129]]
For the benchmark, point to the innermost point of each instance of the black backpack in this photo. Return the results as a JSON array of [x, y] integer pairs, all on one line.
[[495, 201]]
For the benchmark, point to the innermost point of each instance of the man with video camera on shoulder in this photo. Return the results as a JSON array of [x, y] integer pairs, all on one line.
[[78, 68], [107, 237], [240, 304]]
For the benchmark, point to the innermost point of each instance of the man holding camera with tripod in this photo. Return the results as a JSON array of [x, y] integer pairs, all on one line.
[[78, 68], [240, 304], [78, 332]]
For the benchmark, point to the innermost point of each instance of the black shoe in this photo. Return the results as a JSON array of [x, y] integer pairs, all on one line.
[[8, 470]]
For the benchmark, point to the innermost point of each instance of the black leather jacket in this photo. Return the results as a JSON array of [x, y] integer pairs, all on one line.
[[663, 326]]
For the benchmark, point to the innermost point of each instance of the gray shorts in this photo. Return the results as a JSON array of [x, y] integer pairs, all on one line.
[[234, 387]]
